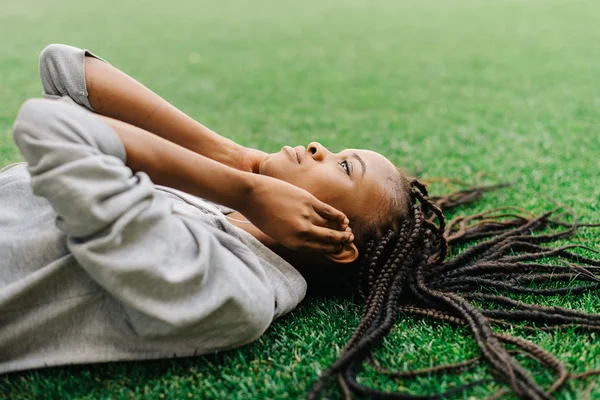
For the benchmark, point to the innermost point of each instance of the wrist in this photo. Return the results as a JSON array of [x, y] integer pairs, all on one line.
[[218, 148], [240, 157], [246, 184], [232, 154]]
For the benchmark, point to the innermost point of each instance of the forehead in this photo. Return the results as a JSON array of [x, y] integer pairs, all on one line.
[[375, 163], [373, 191]]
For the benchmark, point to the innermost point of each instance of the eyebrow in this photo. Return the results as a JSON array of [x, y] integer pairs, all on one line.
[[362, 163]]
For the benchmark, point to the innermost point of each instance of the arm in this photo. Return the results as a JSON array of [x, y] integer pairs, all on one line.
[[175, 275], [99, 86], [284, 212]]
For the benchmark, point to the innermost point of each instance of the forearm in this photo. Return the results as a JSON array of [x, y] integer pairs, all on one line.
[[159, 264], [172, 165], [100, 87], [114, 94]]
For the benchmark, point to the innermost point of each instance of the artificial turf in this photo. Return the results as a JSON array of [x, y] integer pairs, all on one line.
[[507, 89]]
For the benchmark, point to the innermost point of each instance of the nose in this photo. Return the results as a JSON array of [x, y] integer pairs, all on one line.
[[317, 151]]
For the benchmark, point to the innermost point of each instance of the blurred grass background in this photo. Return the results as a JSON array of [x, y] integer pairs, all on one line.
[[509, 89]]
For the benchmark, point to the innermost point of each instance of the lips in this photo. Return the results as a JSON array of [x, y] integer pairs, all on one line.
[[293, 154], [299, 150]]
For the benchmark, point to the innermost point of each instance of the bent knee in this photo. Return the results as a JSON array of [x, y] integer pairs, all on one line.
[[48, 62]]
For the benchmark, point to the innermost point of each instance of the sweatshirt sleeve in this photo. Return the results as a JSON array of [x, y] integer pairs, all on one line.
[[174, 274], [62, 73]]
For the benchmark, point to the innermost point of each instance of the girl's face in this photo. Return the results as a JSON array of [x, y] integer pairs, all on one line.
[[353, 181]]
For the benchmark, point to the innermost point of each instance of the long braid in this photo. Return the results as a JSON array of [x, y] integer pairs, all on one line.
[[407, 272], [368, 253]]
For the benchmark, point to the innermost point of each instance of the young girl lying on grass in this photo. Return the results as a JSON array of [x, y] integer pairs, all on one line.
[[100, 263]]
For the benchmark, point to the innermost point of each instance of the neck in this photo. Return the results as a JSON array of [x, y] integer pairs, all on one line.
[[242, 222]]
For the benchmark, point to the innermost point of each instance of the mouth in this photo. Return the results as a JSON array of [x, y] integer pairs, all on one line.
[[299, 150], [293, 153]]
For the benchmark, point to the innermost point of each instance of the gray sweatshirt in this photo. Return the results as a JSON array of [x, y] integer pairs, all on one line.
[[99, 264]]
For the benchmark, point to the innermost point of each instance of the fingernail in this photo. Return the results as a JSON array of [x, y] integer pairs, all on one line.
[[348, 229], [346, 221], [352, 237]]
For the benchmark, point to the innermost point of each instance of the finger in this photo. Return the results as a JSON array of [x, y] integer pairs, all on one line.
[[327, 223], [329, 236], [319, 247], [330, 213]]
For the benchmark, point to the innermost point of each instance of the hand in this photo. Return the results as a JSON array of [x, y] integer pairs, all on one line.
[[295, 218], [249, 160]]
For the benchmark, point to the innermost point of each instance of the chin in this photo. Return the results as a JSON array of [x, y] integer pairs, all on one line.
[[270, 165], [264, 165]]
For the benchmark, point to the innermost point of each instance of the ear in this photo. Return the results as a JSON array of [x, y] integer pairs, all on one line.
[[348, 254]]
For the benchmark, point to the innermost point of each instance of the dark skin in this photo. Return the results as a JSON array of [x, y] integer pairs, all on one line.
[[333, 179], [338, 179], [177, 151]]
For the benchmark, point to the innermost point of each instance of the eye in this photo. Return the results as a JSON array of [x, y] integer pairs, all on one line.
[[344, 165]]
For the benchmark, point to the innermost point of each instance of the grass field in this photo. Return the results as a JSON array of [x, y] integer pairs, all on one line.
[[510, 89]]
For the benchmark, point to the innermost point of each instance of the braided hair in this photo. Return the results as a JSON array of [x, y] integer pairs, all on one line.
[[406, 271]]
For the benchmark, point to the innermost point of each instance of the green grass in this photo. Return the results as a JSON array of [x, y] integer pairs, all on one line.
[[452, 88]]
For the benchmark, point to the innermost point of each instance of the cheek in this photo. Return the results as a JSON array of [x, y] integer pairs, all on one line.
[[322, 182], [279, 166], [327, 187]]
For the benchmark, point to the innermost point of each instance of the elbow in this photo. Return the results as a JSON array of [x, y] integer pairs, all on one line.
[[50, 71], [39, 126], [244, 323], [259, 318], [235, 322], [28, 128], [35, 115], [62, 71], [30, 114]]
